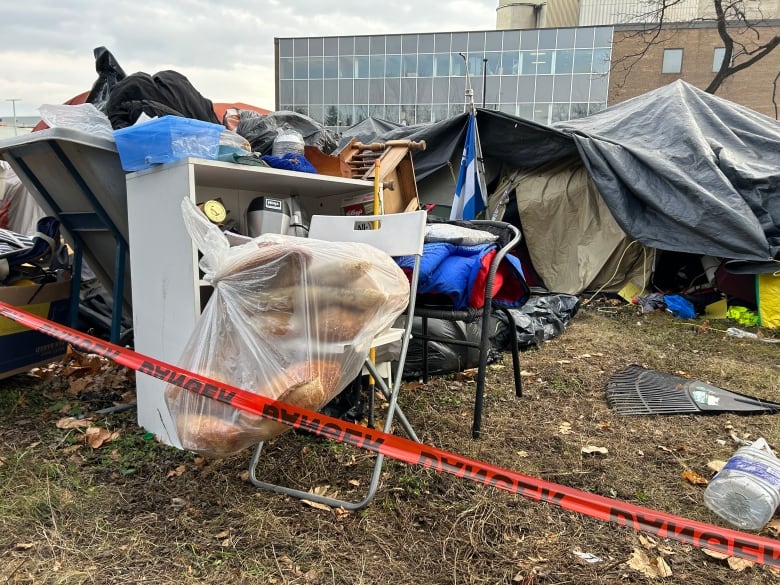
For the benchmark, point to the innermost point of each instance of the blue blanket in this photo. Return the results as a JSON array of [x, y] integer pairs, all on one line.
[[459, 273]]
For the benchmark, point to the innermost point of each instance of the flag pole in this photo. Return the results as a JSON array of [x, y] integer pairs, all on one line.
[[470, 190], [470, 106]]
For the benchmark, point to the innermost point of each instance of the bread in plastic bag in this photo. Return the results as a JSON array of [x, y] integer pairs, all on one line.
[[289, 318]]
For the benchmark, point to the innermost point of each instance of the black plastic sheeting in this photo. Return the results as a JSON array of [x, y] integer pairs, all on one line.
[[261, 130], [443, 358], [540, 319], [686, 171], [509, 139]]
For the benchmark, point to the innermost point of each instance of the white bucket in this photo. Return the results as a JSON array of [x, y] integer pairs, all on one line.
[[746, 492]]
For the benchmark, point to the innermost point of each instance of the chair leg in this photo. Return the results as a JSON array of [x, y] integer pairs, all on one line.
[[424, 338], [484, 349], [394, 412], [302, 495], [515, 353]]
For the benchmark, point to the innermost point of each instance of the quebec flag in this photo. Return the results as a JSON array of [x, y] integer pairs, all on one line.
[[470, 191]]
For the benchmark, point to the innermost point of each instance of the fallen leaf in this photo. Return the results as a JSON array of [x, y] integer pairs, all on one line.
[[176, 472], [78, 386], [320, 491], [222, 534], [694, 478], [70, 422], [639, 561], [664, 570], [647, 541], [715, 554], [97, 436], [774, 527], [739, 565]]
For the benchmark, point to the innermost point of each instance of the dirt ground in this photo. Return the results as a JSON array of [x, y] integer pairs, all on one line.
[[98, 501]]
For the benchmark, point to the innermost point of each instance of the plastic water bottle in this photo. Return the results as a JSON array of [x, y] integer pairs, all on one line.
[[746, 492]]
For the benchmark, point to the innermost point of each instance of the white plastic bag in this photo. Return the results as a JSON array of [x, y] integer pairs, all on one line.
[[84, 117], [289, 318]]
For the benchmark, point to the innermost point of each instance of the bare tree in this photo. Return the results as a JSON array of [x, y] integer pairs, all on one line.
[[738, 23]]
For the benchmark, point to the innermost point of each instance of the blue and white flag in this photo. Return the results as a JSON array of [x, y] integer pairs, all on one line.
[[470, 191]]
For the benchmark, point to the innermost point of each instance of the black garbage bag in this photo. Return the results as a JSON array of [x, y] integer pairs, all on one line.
[[539, 319], [261, 130], [443, 358], [109, 74]]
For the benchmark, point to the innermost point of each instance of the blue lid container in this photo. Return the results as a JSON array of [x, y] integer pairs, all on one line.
[[166, 139]]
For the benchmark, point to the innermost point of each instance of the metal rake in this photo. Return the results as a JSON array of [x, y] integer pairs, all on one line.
[[635, 390]]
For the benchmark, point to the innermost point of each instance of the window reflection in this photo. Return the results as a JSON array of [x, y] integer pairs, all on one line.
[[546, 75]]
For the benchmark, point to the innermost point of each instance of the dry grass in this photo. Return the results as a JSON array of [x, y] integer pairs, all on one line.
[[132, 511]]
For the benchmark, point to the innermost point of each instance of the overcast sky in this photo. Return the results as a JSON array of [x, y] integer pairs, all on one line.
[[226, 49]]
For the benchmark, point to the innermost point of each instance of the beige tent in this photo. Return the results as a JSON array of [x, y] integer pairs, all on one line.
[[573, 240]]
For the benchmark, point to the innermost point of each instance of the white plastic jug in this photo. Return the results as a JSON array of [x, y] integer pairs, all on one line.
[[746, 492]]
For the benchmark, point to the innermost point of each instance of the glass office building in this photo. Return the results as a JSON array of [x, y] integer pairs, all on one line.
[[545, 75]]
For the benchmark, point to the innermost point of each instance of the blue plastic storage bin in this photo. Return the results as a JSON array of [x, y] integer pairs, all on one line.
[[166, 139]]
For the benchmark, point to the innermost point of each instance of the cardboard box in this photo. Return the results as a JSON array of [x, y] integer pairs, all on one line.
[[358, 205], [22, 349]]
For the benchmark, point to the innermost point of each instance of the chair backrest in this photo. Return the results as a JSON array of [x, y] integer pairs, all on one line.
[[397, 234]]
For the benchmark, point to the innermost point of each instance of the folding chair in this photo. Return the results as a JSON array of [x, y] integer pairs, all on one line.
[[508, 237], [397, 234]]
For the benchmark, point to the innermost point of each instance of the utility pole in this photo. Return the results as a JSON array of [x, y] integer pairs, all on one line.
[[13, 106]]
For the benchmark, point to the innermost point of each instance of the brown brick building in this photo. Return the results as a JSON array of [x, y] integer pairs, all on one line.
[[692, 50]]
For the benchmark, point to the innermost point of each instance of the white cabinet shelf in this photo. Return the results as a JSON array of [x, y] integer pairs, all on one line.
[[166, 287]]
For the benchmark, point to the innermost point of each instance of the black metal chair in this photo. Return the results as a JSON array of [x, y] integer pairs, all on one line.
[[508, 237]]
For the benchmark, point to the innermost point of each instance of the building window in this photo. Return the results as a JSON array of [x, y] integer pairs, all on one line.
[[672, 61], [717, 58]]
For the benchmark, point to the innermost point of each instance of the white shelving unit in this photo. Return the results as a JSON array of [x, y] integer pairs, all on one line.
[[166, 287]]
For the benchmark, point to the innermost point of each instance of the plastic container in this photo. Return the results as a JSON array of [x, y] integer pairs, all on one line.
[[166, 139], [288, 140], [746, 492]]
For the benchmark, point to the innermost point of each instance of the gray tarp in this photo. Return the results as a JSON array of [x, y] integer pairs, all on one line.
[[686, 171]]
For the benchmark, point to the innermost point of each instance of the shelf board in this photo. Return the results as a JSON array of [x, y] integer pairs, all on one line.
[[218, 174]]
